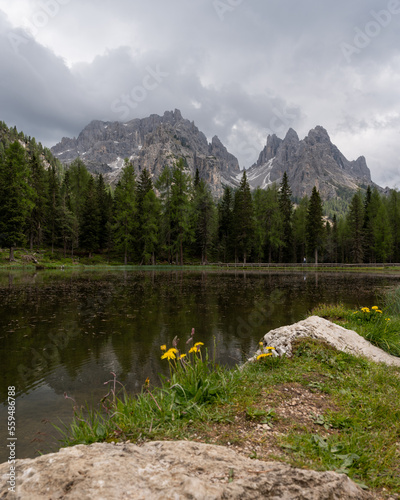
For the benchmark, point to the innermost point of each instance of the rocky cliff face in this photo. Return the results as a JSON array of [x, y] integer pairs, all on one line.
[[149, 143], [313, 161], [157, 141]]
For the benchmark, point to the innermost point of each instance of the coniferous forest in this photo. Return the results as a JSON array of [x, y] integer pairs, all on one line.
[[72, 213]]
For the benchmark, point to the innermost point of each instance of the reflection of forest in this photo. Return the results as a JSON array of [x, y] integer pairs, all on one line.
[[73, 329], [65, 332]]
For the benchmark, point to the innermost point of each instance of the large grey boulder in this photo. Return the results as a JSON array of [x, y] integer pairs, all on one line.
[[169, 470], [337, 336]]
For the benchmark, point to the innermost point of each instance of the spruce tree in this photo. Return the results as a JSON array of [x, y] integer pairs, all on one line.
[[225, 224], [355, 221], [204, 216], [15, 197], [314, 225], [243, 219], [90, 220], [286, 209], [164, 186], [125, 211], [150, 219], [180, 209], [37, 216]]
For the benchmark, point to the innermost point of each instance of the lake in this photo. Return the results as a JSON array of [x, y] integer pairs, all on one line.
[[64, 332]]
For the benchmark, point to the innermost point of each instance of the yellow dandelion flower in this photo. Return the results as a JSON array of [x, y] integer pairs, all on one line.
[[379, 311], [183, 356], [198, 343], [163, 347], [374, 308], [170, 354], [365, 309], [387, 319], [260, 356], [273, 348], [193, 349]]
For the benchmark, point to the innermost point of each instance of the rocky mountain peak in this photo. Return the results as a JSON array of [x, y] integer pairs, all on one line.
[[313, 161], [291, 136], [151, 143]]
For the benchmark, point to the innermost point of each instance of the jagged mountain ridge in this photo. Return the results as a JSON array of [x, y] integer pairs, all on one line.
[[313, 161], [149, 143], [156, 141]]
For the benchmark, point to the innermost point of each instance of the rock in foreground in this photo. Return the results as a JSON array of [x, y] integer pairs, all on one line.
[[319, 328], [169, 470]]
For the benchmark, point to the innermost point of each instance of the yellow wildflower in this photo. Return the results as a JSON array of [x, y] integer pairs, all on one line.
[[183, 356], [270, 348], [193, 349], [374, 308], [387, 319], [261, 344], [379, 311], [163, 347], [260, 356], [365, 309], [198, 343], [170, 354], [147, 382]]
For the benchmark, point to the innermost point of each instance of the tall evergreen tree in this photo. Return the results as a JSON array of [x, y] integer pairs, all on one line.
[[125, 211], [90, 219], [104, 202], [355, 221], [299, 229], [243, 219], [180, 209], [150, 229], [15, 197], [53, 207], [286, 209], [37, 217], [314, 225], [164, 186], [204, 219], [225, 224]]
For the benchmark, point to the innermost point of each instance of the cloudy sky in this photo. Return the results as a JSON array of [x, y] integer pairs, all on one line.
[[241, 69]]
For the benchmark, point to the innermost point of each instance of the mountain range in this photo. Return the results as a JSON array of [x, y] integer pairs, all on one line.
[[156, 141]]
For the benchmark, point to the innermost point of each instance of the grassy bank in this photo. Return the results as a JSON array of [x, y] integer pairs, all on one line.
[[321, 409]]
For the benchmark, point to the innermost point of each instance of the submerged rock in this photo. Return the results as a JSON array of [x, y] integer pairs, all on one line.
[[169, 470]]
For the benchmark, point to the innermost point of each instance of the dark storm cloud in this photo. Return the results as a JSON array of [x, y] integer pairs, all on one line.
[[239, 69]]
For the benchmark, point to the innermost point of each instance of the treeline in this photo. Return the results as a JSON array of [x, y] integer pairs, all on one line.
[[177, 220]]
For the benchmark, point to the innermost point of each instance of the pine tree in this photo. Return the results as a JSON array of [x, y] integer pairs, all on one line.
[[225, 224], [243, 219], [355, 221], [314, 224], [37, 217], [180, 209], [90, 220], [382, 235], [164, 186], [299, 229], [104, 201], [204, 219], [125, 211], [53, 207], [150, 218], [286, 209], [15, 197]]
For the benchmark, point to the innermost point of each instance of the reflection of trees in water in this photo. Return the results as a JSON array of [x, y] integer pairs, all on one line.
[[82, 324]]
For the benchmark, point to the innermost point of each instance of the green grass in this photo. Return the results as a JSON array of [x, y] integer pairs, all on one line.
[[356, 430], [381, 327]]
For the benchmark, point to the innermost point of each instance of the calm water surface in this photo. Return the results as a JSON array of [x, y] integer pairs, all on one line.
[[64, 332]]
